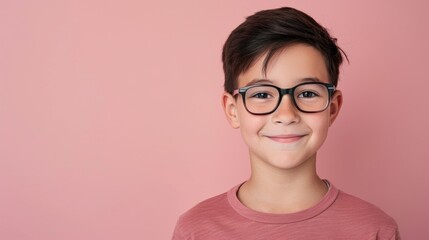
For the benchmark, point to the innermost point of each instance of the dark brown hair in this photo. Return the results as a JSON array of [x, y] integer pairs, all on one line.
[[268, 32]]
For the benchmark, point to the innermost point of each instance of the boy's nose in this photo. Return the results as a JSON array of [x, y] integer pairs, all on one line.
[[286, 113]]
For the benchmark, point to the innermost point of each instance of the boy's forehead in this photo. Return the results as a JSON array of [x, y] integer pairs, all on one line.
[[289, 65]]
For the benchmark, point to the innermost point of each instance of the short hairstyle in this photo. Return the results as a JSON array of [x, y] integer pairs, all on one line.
[[269, 31]]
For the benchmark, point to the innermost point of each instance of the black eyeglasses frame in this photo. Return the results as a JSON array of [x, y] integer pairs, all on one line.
[[285, 91]]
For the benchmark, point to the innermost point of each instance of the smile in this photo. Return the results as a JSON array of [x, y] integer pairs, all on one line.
[[286, 138]]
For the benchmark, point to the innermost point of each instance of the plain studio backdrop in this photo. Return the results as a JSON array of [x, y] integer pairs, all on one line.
[[111, 122]]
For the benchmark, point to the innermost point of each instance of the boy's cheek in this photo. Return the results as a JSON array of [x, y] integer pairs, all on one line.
[[251, 125], [321, 125]]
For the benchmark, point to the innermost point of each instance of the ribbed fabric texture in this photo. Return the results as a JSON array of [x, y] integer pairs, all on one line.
[[337, 216]]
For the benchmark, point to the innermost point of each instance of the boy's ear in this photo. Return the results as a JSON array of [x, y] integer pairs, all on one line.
[[230, 108], [336, 103]]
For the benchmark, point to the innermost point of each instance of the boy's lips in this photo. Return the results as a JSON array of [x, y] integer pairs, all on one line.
[[289, 138]]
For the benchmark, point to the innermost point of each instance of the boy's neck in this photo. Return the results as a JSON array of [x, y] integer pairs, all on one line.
[[282, 191]]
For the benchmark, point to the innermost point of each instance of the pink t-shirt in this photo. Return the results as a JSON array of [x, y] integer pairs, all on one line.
[[338, 215]]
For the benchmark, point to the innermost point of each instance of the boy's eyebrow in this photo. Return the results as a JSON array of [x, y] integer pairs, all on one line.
[[263, 80], [258, 81], [310, 79]]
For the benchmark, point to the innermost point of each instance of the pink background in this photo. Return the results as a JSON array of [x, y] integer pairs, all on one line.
[[111, 123]]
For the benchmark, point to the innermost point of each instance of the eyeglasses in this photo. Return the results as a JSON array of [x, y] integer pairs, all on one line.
[[309, 97]]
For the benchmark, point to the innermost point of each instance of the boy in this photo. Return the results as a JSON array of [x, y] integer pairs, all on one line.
[[281, 71]]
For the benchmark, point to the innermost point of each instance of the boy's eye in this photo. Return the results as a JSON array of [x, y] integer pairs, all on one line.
[[308, 94], [262, 95]]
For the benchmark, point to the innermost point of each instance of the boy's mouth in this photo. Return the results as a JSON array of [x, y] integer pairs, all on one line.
[[289, 138]]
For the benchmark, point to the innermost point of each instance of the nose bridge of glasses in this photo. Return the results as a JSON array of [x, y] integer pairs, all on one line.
[[283, 92], [286, 91]]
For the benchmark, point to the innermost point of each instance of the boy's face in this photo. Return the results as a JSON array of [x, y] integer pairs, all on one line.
[[286, 138]]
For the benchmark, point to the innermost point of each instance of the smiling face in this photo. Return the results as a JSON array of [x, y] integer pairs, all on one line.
[[286, 138]]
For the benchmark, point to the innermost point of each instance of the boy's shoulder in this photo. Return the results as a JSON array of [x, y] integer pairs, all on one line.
[[349, 204], [357, 214], [210, 208], [200, 219]]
